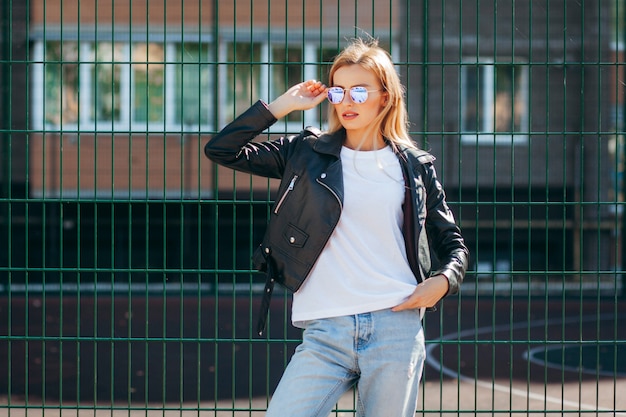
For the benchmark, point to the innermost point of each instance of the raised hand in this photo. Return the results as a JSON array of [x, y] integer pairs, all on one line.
[[303, 96]]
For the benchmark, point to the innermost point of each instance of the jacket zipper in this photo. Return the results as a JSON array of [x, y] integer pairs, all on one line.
[[332, 192], [284, 196]]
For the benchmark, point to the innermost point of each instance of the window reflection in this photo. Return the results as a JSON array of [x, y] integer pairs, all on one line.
[[244, 77], [286, 71], [494, 99], [61, 82], [106, 81], [193, 84], [148, 63]]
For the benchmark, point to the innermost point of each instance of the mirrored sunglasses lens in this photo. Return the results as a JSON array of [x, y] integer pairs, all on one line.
[[358, 94], [335, 95]]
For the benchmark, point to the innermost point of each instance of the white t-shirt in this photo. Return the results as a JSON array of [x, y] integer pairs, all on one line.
[[364, 265]]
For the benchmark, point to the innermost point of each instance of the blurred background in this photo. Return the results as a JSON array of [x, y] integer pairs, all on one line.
[[125, 276]]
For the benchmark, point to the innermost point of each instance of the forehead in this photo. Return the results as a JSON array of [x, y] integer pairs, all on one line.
[[353, 75]]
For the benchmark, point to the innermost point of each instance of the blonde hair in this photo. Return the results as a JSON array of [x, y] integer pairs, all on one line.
[[392, 121]]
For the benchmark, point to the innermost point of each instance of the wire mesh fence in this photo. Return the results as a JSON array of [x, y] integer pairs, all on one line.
[[126, 285]]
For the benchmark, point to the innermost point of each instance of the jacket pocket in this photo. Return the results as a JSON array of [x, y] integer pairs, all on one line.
[[294, 237], [285, 194]]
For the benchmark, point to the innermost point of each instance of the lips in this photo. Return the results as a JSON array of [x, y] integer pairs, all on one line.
[[349, 115]]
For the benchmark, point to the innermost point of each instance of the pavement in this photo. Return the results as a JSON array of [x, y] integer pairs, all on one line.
[[197, 355]]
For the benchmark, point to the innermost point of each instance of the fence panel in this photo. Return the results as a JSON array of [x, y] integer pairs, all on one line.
[[125, 281]]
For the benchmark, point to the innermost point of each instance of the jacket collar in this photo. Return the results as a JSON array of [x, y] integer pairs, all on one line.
[[330, 143], [420, 155]]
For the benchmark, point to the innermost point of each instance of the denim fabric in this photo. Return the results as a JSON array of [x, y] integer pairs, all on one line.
[[381, 352]]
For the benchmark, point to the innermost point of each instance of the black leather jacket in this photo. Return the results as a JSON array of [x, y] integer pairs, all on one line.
[[310, 198]]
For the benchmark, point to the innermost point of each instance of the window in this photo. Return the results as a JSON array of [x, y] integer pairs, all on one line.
[[61, 83], [161, 86], [264, 71], [138, 87], [148, 82], [494, 103], [324, 57], [243, 77], [286, 71], [194, 86], [617, 24], [106, 76]]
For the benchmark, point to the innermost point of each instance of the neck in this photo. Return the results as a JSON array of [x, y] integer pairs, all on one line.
[[364, 143]]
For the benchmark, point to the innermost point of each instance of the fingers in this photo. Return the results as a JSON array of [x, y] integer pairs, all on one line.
[[320, 96], [315, 87], [401, 307], [426, 294], [311, 93], [318, 90], [410, 303]]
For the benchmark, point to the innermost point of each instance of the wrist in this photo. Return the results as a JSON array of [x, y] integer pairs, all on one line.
[[278, 108], [440, 284]]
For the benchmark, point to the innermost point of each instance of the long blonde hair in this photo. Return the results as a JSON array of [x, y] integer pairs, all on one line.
[[392, 121]]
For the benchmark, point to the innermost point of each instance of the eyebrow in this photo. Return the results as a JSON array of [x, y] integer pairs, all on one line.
[[366, 85]]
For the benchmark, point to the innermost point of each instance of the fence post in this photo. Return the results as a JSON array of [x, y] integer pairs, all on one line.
[[425, 64], [5, 126], [5, 96], [621, 71]]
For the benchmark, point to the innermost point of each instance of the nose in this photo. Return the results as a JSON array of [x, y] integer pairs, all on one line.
[[347, 99]]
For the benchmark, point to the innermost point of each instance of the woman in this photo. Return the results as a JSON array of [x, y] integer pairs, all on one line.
[[358, 214]]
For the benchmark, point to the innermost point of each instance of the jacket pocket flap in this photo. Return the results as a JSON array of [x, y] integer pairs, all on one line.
[[295, 237]]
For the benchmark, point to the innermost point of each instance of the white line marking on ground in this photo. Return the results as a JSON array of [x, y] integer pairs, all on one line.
[[507, 389]]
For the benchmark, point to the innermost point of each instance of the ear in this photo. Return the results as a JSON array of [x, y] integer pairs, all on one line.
[[385, 99]]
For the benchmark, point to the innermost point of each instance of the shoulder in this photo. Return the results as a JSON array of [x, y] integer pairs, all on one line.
[[419, 162], [416, 156], [312, 131], [308, 135], [302, 143]]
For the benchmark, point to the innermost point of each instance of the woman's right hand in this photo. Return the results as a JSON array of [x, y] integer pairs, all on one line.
[[303, 96]]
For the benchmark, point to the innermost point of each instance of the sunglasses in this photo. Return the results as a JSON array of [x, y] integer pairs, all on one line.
[[357, 94]]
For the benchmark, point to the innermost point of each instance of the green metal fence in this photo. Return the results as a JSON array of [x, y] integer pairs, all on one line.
[[125, 276]]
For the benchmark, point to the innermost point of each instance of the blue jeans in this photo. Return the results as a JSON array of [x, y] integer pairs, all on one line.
[[381, 352]]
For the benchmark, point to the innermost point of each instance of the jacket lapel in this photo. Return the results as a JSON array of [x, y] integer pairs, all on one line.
[[332, 177], [410, 160]]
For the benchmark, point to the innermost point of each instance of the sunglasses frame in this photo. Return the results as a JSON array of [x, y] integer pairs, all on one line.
[[361, 90]]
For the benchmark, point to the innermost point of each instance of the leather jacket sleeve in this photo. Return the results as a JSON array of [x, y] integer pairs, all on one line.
[[233, 146], [444, 235]]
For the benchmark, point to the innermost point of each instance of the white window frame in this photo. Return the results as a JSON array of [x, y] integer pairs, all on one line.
[[126, 122], [309, 72], [487, 136]]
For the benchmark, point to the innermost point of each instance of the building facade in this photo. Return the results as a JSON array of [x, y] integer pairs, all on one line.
[[112, 101]]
